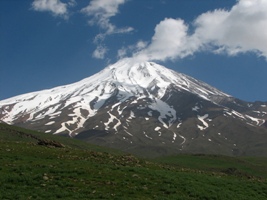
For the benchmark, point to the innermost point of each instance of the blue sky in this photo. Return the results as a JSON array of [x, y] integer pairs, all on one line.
[[47, 43]]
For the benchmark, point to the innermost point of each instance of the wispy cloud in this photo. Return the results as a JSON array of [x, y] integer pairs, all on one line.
[[100, 52], [239, 30], [56, 7], [100, 12], [125, 51]]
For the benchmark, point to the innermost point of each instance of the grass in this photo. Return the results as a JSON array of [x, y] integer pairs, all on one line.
[[83, 171], [238, 166]]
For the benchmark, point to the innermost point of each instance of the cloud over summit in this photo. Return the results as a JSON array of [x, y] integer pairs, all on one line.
[[168, 41]]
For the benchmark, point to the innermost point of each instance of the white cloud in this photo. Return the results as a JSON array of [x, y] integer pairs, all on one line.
[[168, 42], [72, 3], [141, 45], [126, 51], [101, 11], [56, 7], [242, 29], [100, 52], [239, 30], [122, 52], [103, 8]]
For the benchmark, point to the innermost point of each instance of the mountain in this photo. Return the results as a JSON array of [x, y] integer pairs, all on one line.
[[147, 109]]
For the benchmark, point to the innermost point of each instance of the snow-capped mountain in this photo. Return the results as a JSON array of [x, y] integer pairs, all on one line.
[[134, 106]]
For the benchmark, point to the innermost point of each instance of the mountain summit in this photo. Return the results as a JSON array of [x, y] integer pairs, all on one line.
[[143, 107]]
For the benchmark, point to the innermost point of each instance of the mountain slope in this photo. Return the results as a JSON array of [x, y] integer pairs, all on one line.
[[143, 106]]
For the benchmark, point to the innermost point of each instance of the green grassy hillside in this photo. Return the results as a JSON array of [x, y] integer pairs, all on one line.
[[39, 166], [250, 167]]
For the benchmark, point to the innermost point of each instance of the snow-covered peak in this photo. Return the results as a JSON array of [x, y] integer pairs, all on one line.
[[128, 73], [124, 79], [123, 74], [147, 74]]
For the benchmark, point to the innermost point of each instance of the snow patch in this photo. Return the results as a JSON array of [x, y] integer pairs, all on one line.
[[184, 139], [132, 115], [157, 128], [63, 128], [128, 133], [238, 114], [202, 119], [166, 112], [179, 125], [110, 120], [259, 122], [95, 127], [201, 127], [49, 123], [147, 135], [174, 137], [150, 113], [121, 110], [196, 108]]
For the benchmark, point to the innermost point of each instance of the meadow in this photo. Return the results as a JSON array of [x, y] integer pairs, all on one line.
[[40, 166]]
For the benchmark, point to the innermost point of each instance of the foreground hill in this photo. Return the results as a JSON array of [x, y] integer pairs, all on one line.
[[62, 168]]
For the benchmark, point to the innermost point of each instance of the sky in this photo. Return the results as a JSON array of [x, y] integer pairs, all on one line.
[[48, 43]]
